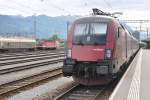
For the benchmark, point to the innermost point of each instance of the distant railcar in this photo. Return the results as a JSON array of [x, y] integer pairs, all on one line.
[[48, 45], [97, 48], [13, 44]]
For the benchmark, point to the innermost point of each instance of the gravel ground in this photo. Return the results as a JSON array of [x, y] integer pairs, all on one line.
[[26, 73], [44, 91], [55, 92]]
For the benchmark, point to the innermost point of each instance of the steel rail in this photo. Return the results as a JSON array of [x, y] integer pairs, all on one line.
[[25, 54], [78, 93], [15, 86], [30, 59], [19, 68], [28, 56]]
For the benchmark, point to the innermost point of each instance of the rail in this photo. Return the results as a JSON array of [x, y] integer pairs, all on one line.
[[79, 92], [23, 67], [31, 81]]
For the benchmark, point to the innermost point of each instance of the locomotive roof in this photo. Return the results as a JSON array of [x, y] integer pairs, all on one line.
[[95, 18]]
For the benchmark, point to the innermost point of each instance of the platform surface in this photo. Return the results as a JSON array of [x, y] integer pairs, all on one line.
[[135, 83]]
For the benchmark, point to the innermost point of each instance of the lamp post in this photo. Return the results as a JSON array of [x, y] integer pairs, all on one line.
[[35, 26]]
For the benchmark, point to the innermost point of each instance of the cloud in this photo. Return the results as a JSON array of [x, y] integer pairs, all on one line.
[[73, 7]]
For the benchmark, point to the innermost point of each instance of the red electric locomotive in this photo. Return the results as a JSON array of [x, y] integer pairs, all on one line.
[[97, 47]]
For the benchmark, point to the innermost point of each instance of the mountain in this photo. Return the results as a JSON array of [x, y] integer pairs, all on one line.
[[25, 26]]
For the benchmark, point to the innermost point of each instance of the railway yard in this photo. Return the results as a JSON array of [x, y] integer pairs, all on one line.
[[19, 71], [74, 50], [38, 75]]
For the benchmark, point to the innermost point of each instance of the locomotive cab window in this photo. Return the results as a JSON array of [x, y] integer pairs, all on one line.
[[90, 33]]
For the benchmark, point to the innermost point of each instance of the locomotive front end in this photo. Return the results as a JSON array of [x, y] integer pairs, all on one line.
[[90, 51]]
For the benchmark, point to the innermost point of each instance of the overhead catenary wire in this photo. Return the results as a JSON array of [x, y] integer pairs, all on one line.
[[37, 23], [108, 4], [53, 5], [31, 9], [59, 8], [36, 10]]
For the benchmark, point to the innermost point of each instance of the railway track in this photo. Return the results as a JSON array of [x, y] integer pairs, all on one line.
[[28, 53], [28, 56], [31, 81], [30, 59], [80, 92], [29, 66]]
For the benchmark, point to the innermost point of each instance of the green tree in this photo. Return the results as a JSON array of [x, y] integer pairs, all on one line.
[[54, 37]]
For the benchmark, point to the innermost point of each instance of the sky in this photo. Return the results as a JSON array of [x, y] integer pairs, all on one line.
[[132, 9]]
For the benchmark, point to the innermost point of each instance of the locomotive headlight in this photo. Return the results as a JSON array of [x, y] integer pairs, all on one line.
[[69, 53], [108, 53]]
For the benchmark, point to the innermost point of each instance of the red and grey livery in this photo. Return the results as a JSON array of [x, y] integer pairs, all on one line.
[[97, 47]]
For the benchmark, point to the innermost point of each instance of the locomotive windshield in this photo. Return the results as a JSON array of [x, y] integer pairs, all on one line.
[[90, 33]]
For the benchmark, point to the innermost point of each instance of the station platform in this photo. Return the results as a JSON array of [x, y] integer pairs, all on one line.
[[135, 83]]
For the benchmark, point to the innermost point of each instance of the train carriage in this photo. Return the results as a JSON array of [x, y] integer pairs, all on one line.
[[15, 44], [98, 46]]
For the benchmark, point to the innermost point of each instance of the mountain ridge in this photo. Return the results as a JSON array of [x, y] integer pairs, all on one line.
[[45, 26]]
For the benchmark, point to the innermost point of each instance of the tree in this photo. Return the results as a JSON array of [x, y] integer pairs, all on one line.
[[54, 37]]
